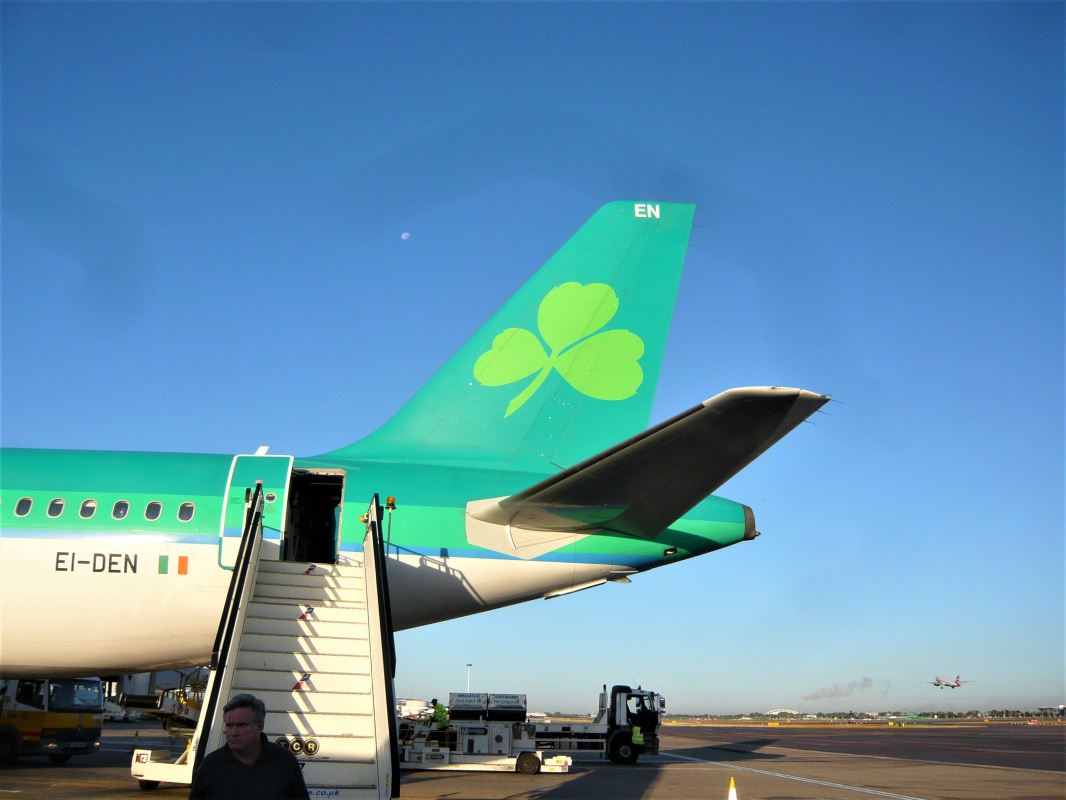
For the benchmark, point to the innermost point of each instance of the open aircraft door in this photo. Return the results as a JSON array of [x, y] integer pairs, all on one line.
[[245, 472]]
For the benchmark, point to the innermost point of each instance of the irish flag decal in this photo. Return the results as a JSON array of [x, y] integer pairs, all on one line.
[[181, 562]]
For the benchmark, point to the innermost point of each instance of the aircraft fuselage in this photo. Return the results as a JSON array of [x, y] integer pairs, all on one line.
[[98, 587]]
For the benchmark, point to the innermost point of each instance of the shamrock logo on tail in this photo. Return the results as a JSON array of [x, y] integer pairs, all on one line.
[[601, 365]]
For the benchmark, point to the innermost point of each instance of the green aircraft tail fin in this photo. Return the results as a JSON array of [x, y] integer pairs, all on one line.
[[567, 367]]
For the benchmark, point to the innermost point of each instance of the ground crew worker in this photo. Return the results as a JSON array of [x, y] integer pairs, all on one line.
[[638, 737], [440, 714], [641, 717], [438, 722]]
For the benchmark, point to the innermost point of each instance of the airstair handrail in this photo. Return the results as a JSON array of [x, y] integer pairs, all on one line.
[[253, 529], [388, 645], [381, 570], [240, 568]]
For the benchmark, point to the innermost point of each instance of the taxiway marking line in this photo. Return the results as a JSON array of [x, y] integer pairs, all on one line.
[[787, 777]]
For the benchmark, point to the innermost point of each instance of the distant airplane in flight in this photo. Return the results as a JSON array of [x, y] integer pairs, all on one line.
[[946, 683], [523, 469]]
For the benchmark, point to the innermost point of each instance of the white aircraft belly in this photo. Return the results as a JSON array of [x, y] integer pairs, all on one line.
[[104, 606]]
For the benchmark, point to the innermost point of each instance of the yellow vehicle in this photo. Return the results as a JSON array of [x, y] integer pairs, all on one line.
[[54, 717]]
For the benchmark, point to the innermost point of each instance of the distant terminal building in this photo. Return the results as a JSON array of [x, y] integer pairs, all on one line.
[[775, 712], [411, 707]]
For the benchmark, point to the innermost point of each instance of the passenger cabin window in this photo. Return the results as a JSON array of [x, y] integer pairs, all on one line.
[[153, 510], [55, 508], [185, 511], [121, 509], [23, 506], [88, 509]]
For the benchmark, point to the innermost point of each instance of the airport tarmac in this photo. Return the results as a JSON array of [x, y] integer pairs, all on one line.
[[998, 762]]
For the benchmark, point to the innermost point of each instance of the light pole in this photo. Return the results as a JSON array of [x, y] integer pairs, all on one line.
[[468, 666]]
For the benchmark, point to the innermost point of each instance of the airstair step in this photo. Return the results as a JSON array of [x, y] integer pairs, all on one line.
[[310, 628], [322, 613], [303, 702], [349, 793], [309, 724], [360, 749], [345, 567], [321, 777], [316, 663], [266, 578], [354, 606], [326, 775], [308, 594], [319, 645], [263, 680]]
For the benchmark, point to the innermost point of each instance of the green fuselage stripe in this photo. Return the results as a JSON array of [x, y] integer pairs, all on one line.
[[430, 517]]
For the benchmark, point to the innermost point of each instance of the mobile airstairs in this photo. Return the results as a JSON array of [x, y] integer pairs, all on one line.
[[314, 643]]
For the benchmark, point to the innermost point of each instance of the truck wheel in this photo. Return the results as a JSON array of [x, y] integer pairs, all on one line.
[[147, 786], [622, 750], [528, 764], [59, 758]]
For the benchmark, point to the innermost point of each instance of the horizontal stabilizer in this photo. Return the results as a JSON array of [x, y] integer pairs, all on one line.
[[642, 485]]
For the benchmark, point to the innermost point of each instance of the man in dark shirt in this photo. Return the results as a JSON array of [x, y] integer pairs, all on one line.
[[249, 766]]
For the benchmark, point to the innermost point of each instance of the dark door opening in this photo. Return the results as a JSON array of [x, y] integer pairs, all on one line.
[[314, 517]]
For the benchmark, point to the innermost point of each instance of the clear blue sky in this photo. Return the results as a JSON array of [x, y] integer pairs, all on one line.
[[202, 216]]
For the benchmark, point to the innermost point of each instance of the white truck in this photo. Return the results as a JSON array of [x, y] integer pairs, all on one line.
[[492, 732], [627, 724]]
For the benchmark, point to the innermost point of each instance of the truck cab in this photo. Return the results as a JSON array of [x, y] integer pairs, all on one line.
[[633, 718], [53, 717]]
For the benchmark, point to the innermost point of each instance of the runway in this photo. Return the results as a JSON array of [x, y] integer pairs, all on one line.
[[1006, 745], [999, 762]]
